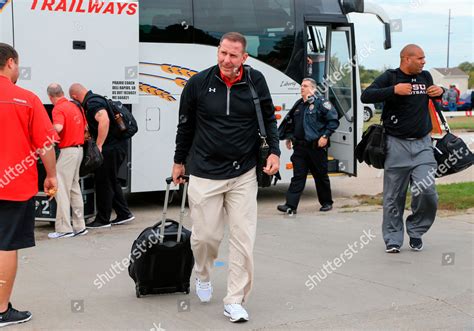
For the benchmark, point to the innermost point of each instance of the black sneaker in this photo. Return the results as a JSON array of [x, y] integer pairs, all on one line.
[[392, 249], [13, 316], [325, 208], [97, 225], [416, 244], [286, 209], [119, 220]]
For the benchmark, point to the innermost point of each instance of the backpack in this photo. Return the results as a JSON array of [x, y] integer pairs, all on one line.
[[120, 113], [120, 116]]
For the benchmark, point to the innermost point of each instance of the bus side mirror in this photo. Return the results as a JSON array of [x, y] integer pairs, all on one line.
[[388, 37], [352, 6]]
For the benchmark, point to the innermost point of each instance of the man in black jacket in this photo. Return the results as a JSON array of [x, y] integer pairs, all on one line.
[[218, 138], [307, 128], [114, 149], [409, 155]]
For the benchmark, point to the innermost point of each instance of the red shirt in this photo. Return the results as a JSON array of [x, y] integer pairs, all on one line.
[[228, 82], [71, 118], [24, 128]]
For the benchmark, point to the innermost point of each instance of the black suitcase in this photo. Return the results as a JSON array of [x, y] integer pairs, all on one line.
[[163, 264]]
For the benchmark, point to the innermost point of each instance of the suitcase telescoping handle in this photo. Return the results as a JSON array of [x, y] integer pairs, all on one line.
[[169, 180]]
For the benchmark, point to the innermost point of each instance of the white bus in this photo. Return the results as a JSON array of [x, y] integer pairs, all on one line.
[[143, 54]]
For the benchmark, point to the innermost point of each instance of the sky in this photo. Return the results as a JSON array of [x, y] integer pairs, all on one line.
[[423, 22]]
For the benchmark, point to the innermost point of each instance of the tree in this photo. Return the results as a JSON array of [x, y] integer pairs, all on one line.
[[367, 76], [468, 68]]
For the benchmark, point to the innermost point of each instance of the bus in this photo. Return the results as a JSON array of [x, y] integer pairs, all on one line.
[[143, 53], [287, 40]]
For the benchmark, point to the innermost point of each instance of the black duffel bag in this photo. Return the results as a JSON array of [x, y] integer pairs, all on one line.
[[372, 147], [452, 155], [92, 158]]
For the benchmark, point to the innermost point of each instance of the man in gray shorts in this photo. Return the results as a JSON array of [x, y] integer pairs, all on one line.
[[409, 155]]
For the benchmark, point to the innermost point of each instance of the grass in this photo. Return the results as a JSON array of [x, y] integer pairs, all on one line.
[[461, 123], [458, 196], [455, 123]]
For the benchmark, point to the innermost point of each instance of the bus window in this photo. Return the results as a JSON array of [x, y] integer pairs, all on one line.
[[340, 72], [268, 25], [316, 53], [166, 21], [320, 6]]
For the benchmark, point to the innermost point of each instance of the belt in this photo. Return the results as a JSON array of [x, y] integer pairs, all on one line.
[[77, 146]]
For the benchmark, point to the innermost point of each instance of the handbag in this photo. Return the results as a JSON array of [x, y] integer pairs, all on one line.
[[263, 179], [451, 153], [92, 158]]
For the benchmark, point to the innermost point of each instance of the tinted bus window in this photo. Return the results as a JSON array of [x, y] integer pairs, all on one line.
[[268, 25], [166, 21], [320, 7]]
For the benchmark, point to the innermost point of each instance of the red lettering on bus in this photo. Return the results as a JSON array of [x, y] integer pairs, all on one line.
[[79, 8], [33, 5], [109, 8], [71, 7], [48, 4], [132, 9], [95, 6], [61, 6], [121, 7]]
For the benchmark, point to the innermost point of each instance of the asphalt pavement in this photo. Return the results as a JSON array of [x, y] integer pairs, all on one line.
[[306, 274]]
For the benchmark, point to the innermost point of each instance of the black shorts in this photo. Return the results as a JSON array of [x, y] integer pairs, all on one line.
[[17, 224]]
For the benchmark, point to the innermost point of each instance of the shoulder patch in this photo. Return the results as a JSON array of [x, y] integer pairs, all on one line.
[[327, 105]]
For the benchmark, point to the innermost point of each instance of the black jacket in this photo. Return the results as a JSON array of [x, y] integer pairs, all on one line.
[[320, 118], [218, 127]]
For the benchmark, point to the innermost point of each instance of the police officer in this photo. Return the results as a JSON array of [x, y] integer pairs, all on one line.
[[307, 127]]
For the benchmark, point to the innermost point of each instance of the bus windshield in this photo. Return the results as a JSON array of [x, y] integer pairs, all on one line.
[[268, 25]]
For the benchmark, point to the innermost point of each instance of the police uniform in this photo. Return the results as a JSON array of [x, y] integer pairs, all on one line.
[[305, 124]]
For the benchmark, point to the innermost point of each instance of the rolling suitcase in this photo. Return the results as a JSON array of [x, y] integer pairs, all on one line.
[[163, 263]]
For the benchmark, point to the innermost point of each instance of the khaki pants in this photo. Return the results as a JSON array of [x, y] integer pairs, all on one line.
[[69, 194], [213, 203]]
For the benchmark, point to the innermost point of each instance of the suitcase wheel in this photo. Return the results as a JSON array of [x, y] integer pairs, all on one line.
[[137, 292], [187, 291]]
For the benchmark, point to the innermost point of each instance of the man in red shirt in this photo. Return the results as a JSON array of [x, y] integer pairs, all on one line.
[[68, 121], [26, 133]]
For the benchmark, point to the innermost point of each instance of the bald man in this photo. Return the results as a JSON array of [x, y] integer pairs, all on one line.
[[409, 154], [69, 122], [108, 190]]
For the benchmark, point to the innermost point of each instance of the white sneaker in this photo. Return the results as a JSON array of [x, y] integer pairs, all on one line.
[[203, 290], [236, 312], [58, 235]]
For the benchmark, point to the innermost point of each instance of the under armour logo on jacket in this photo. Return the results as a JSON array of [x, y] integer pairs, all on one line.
[[212, 89]]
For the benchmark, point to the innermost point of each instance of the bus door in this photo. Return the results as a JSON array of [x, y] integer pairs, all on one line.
[[331, 63]]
